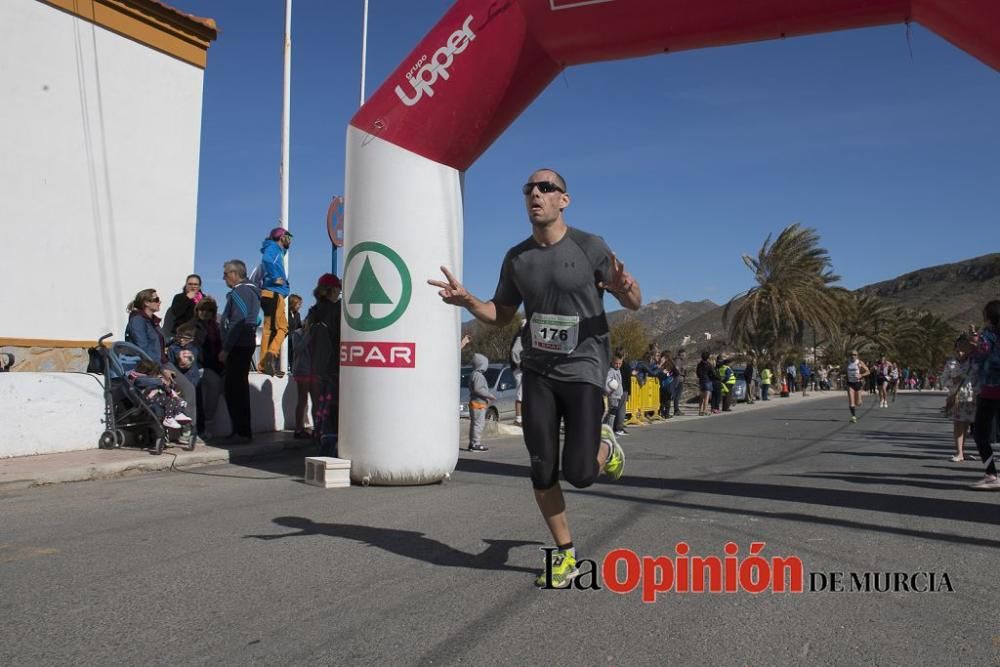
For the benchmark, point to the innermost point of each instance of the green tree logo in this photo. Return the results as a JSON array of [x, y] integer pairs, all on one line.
[[368, 291]]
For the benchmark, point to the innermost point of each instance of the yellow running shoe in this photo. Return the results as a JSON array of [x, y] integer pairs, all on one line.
[[563, 571], [614, 467]]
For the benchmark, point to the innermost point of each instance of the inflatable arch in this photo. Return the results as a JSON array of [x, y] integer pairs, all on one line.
[[407, 149]]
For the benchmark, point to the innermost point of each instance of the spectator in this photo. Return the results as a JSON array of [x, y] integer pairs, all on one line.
[[184, 353], [750, 378], [765, 383], [680, 373], [208, 338], [706, 382], [986, 353], [663, 375], [617, 396], [294, 324], [805, 374], [516, 347], [323, 327], [143, 331], [790, 374], [727, 381], [959, 378], [239, 334], [301, 366], [157, 386], [479, 398], [274, 291], [182, 307]]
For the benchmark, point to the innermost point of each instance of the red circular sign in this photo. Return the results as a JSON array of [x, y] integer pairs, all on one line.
[[335, 221]]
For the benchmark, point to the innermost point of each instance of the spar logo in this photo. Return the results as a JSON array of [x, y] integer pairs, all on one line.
[[378, 355], [381, 286], [425, 72]]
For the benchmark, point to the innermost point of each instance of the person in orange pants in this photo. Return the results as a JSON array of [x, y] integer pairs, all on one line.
[[274, 290]]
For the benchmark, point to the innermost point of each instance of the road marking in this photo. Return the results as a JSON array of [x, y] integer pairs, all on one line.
[[10, 553]]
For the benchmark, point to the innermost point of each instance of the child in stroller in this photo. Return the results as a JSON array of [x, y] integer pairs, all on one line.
[[159, 390], [142, 404]]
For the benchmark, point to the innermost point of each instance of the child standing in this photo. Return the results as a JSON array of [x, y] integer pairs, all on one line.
[[479, 398], [613, 389]]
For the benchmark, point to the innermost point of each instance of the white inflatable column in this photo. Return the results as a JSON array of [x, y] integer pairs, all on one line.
[[399, 344]]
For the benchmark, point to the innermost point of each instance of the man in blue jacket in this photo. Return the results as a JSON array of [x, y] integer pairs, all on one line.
[[239, 337], [274, 291]]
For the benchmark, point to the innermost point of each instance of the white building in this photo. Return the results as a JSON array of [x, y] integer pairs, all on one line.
[[99, 150], [99, 170]]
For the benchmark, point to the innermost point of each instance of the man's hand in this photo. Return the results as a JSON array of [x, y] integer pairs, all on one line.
[[452, 291], [622, 285], [466, 339], [621, 280], [222, 356]]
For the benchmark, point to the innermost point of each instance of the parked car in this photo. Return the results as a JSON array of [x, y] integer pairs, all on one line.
[[740, 389], [500, 379]]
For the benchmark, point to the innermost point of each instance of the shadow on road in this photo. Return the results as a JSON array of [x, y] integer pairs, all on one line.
[[408, 543]]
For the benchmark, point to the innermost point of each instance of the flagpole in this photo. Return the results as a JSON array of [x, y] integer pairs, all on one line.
[[364, 50], [286, 116]]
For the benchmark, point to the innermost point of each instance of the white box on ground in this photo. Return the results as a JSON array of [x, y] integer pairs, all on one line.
[[328, 472]]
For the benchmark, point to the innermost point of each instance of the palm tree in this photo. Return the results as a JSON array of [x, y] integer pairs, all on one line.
[[794, 292]]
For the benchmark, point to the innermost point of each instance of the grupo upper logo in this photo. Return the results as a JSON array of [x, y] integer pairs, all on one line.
[[425, 72], [380, 286]]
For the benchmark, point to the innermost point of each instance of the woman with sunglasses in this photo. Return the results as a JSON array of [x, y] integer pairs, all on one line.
[[182, 307], [143, 331]]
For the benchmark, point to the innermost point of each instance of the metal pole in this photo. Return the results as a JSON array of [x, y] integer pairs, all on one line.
[[364, 50], [286, 117], [286, 113]]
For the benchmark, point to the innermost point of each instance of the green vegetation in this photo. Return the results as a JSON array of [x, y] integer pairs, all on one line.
[[796, 300]]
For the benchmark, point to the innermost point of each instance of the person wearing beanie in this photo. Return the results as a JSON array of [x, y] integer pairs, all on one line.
[[274, 290]]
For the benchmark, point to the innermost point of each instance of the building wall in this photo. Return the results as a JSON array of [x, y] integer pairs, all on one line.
[[100, 140]]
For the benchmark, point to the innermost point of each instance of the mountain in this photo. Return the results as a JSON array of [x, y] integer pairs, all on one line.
[[659, 317], [955, 292]]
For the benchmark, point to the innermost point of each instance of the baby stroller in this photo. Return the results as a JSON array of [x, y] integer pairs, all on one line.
[[129, 419]]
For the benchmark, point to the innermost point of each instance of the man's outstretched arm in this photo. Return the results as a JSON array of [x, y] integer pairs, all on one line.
[[453, 292]]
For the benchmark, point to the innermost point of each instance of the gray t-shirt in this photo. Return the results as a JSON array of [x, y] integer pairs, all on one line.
[[561, 281]]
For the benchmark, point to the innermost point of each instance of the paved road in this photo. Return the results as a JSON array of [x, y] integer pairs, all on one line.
[[241, 565]]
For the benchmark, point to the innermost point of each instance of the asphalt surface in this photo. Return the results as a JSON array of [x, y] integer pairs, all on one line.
[[244, 564]]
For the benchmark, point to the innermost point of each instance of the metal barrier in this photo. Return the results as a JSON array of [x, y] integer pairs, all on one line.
[[643, 403]]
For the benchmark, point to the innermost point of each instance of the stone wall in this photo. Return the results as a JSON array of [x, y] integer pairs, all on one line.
[[46, 359]]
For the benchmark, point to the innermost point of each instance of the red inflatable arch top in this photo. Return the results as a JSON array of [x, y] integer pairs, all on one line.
[[470, 77], [486, 60]]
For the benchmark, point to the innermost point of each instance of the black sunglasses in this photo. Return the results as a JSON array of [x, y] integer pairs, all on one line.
[[545, 187], [155, 299]]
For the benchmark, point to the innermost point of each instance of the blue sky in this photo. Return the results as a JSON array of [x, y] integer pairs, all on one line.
[[887, 146]]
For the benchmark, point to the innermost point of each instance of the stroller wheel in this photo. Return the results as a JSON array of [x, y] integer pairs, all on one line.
[[190, 437], [107, 440], [119, 438], [161, 442]]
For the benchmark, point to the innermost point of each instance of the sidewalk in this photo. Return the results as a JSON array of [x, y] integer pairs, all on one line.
[[21, 472], [26, 471]]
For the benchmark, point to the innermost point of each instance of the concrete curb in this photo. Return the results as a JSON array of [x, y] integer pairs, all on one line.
[[29, 471]]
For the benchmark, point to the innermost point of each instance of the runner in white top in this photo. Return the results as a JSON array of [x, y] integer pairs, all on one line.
[[856, 371]]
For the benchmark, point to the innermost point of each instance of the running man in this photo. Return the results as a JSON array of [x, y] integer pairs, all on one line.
[[856, 371], [560, 274]]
